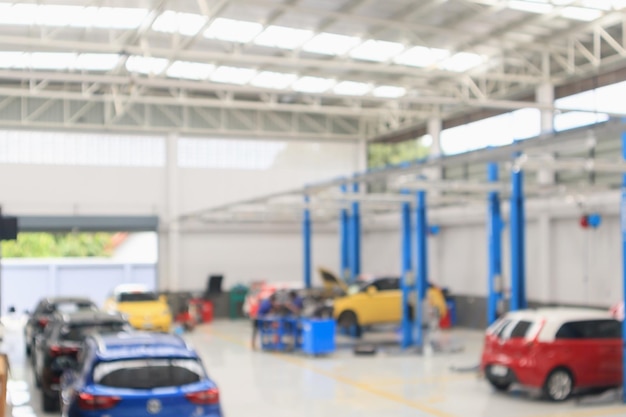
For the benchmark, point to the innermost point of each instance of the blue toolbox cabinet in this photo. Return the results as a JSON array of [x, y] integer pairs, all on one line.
[[318, 336]]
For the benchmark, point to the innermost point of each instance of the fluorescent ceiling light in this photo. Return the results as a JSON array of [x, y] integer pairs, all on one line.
[[389, 91], [581, 13], [187, 24], [462, 61], [283, 37], [331, 44], [531, 6], [233, 30], [351, 88], [190, 70], [96, 62], [232, 75], [373, 50], [275, 80], [420, 56], [312, 84], [52, 60], [145, 65], [73, 16]]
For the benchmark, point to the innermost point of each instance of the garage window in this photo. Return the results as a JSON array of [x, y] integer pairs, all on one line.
[[148, 373]]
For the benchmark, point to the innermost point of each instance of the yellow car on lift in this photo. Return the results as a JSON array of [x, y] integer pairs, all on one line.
[[144, 309]]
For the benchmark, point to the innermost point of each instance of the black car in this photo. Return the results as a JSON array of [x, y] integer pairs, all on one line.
[[45, 308], [64, 336]]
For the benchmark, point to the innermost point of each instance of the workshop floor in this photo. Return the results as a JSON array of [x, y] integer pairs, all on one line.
[[390, 383]]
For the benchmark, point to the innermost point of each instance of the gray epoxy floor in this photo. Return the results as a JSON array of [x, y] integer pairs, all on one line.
[[264, 384]]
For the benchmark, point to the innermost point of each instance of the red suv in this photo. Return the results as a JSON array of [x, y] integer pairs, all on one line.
[[554, 349]]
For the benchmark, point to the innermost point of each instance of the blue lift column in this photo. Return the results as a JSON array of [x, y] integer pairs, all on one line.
[[518, 225], [407, 276], [421, 231], [344, 231], [306, 236], [623, 220], [494, 231], [355, 229]]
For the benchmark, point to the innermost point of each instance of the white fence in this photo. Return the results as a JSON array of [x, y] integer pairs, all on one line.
[[23, 282]]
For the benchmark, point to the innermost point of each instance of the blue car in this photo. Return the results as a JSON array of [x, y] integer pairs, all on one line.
[[137, 374]]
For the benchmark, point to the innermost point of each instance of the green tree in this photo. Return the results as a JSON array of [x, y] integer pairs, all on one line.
[[383, 154], [58, 245]]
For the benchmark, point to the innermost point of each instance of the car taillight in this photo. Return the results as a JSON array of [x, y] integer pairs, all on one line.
[[43, 322], [206, 397], [92, 402], [56, 350]]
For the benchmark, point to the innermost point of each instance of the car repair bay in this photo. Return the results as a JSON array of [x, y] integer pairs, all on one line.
[[390, 383]]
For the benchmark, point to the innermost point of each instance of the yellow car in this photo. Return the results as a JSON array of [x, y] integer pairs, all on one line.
[[144, 309]]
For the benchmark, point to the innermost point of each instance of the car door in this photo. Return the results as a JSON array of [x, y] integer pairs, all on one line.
[[606, 335], [571, 344], [383, 301]]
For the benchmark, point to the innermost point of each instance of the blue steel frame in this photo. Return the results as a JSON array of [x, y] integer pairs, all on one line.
[[494, 230], [623, 221], [421, 281], [518, 223], [306, 235], [344, 231], [355, 234], [408, 284]]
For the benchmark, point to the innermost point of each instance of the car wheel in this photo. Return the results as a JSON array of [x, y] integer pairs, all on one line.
[[349, 322], [559, 385], [499, 385], [48, 403]]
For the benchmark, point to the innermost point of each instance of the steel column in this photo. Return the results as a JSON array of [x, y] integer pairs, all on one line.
[[306, 235], [421, 281], [518, 224], [623, 221], [345, 241], [494, 230], [355, 259], [407, 277]]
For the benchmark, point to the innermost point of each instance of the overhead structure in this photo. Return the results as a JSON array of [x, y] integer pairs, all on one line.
[[341, 70]]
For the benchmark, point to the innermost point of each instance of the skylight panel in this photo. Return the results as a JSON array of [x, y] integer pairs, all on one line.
[[233, 30], [351, 88], [581, 13], [232, 75], [374, 50], [531, 6], [331, 44], [190, 70], [96, 62], [52, 60], [119, 18], [187, 24], [283, 37], [420, 56], [389, 91], [18, 14], [56, 15], [275, 80], [145, 65], [312, 84], [462, 61], [15, 60]]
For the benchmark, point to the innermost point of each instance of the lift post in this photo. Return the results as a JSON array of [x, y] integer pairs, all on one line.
[[421, 231], [494, 230], [408, 284], [306, 235], [344, 231], [623, 222], [518, 224], [355, 229]]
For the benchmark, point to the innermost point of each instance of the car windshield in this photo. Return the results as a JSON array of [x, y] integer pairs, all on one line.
[[148, 373], [78, 332], [137, 296], [73, 306]]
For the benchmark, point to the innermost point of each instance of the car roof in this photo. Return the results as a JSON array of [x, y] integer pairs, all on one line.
[[560, 314], [135, 345], [59, 300], [88, 316]]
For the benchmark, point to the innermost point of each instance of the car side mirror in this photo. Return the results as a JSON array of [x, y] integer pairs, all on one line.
[[371, 290]]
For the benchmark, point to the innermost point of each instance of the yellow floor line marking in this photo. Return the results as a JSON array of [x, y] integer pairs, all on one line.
[[370, 389]]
